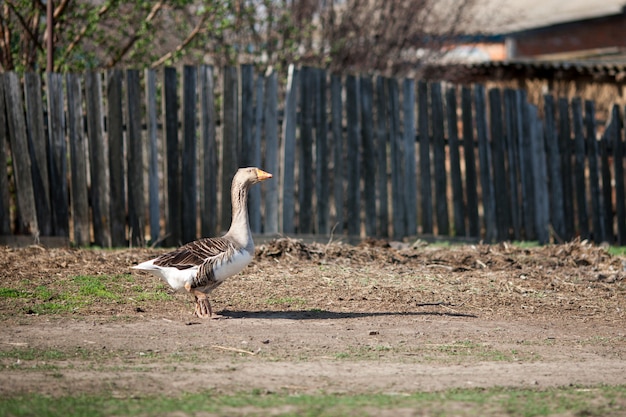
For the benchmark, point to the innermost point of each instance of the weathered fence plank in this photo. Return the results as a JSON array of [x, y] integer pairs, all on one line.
[[439, 159], [424, 155], [38, 149], [410, 181], [322, 188], [382, 141], [115, 136], [154, 208], [539, 176], [557, 211], [526, 168], [336, 110], [513, 132], [172, 151], [78, 161], [271, 152], [471, 183], [484, 155], [354, 156], [597, 212], [134, 154], [189, 171], [288, 151], [369, 154], [458, 204], [5, 198], [255, 193], [306, 187], [250, 153], [208, 153], [98, 161], [607, 189], [579, 169], [501, 194], [566, 151], [230, 140], [615, 136], [397, 174]]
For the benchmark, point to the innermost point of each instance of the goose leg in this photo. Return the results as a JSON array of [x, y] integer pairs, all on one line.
[[203, 305]]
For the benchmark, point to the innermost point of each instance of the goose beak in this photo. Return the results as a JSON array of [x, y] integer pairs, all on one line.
[[262, 175]]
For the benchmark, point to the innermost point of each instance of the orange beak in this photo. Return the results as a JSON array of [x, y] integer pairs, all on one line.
[[262, 175]]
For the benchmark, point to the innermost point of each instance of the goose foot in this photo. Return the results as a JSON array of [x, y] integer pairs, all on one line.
[[204, 311]]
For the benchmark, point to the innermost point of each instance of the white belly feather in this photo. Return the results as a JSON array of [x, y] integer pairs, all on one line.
[[177, 278]]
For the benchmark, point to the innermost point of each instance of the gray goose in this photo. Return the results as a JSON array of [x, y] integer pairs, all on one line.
[[202, 265]]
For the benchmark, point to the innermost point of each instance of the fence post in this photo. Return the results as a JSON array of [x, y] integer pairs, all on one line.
[[115, 136], [288, 151], [170, 116], [230, 140], [336, 109], [369, 154], [249, 154], [322, 189], [501, 193], [98, 157], [513, 126], [565, 149], [439, 157], [255, 192], [354, 155], [271, 152], [557, 211], [78, 161], [597, 211], [484, 153], [455, 163], [382, 141], [424, 139], [134, 146], [615, 135], [306, 187], [540, 176], [526, 168], [5, 220]]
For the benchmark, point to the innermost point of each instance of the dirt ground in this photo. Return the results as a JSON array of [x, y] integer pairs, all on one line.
[[377, 317]]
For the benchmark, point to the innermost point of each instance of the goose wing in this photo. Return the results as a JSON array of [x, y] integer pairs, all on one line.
[[197, 253]]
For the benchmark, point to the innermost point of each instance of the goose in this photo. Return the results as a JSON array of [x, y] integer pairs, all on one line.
[[201, 266]]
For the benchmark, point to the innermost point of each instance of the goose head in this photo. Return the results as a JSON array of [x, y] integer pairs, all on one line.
[[251, 175]]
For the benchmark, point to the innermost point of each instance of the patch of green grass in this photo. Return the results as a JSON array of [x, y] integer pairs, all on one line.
[[11, 293], [94, 286], [295, 301], [596, 401]]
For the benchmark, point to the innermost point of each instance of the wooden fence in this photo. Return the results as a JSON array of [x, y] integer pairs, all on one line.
[[130, 158]]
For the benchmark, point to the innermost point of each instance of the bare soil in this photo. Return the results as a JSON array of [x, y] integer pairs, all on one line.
[[377, 317]]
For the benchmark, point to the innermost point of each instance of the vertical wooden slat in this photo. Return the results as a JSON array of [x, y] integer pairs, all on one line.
[[230, 141], [98, 161], [39, 152], [565, 149], [471, 184], [501, 195], [424, 139], [579, 169], [607, 189], [134, 145], [58, 156], [618, 170], [336, 110], [354, 156], [556, 198], [410, 181], [247, 155], [439, 159], [78, 161], [115, 135], [540, 176], [271, 152], [369, 154], [153, 156], [458, 204], [513, 127], [397, 172], [5, 201], [190, 155], [484, 154], [288, 151], [322, 188], [526, 169], [208, 161], [597, 212], [172, 147], [305, 172], [382, 141], [255, 192]]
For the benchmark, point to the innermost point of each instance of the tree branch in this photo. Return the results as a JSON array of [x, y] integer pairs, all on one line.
[[103, 10], [196, 30], [24, 24]]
